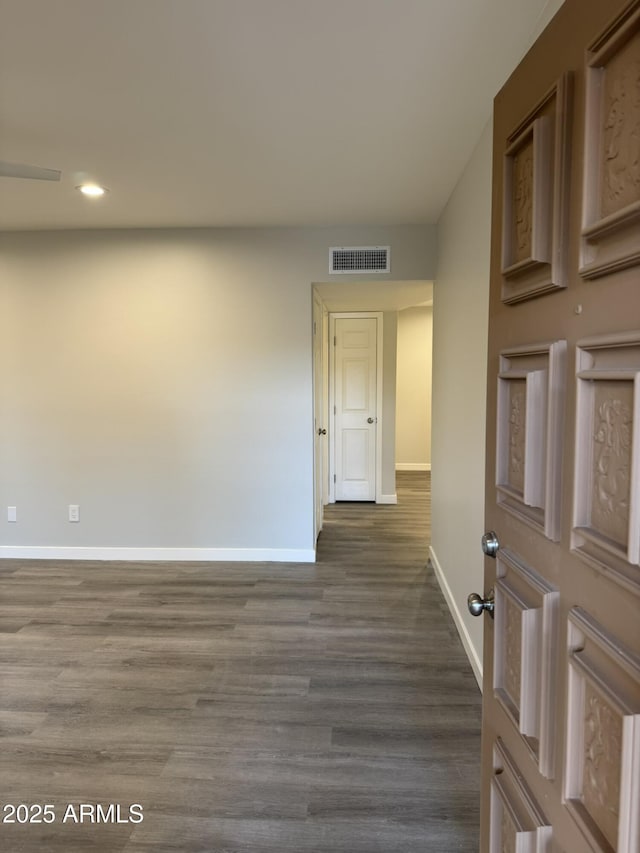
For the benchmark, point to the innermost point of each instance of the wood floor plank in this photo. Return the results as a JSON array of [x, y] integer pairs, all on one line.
[[366, 834], [249, 708]]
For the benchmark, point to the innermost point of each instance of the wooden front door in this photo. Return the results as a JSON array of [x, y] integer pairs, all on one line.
[[561, 715]]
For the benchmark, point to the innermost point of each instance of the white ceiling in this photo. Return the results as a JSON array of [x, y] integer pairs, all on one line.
[[248, 112]]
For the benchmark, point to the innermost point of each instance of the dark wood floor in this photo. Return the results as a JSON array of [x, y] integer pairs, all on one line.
[[246, 707]]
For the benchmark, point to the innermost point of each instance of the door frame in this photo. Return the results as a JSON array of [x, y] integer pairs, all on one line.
[[357, 315], [320, 332]]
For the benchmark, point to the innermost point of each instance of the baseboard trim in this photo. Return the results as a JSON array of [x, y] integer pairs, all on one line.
[[387, 499], [474, 659], [215, 555], [413, 466]]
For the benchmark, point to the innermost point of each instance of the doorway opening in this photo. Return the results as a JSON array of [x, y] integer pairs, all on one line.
[[397, 308]]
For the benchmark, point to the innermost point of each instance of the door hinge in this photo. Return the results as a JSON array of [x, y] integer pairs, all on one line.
[[335, 340], [334, 478], [315, 328], [335, 411]]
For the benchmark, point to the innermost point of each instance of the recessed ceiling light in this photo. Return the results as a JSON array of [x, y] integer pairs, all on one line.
[[92, 190]]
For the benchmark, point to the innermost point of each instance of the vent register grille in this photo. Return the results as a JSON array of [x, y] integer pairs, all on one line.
[[359, 259]]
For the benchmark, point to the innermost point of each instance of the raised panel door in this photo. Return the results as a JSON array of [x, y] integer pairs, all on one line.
[[561, 699]]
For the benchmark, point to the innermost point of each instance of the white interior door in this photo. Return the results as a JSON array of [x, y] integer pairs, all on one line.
[[561, 697], [355, 385]]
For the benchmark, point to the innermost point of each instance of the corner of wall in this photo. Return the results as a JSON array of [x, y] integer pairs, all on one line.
[[461, 300], [474, 655]]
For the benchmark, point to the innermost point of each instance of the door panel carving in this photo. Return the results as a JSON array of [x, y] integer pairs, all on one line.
[[524, 672], [522, 200], [620, 182], [531, 399], [607, 485], [602, 772], [512, 643], [518, 825], [535, 198], [611, 212], [517, 434], [602, 753], [611, 464]]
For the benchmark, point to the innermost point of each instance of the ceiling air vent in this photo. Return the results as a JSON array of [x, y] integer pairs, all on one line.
[[360, 259]]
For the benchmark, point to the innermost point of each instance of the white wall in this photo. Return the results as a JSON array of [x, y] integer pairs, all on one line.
[[413, 396], [461, 299], [162, 380]]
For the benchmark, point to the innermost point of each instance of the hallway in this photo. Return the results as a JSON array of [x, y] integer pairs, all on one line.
[[253, 708]]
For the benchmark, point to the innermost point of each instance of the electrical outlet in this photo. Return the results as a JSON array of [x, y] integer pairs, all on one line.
[[74, 512], [12, 513]]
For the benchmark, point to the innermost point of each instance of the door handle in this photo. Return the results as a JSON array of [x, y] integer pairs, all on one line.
[[321, 431], [369, 420], [478, 605], [490, 544]]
